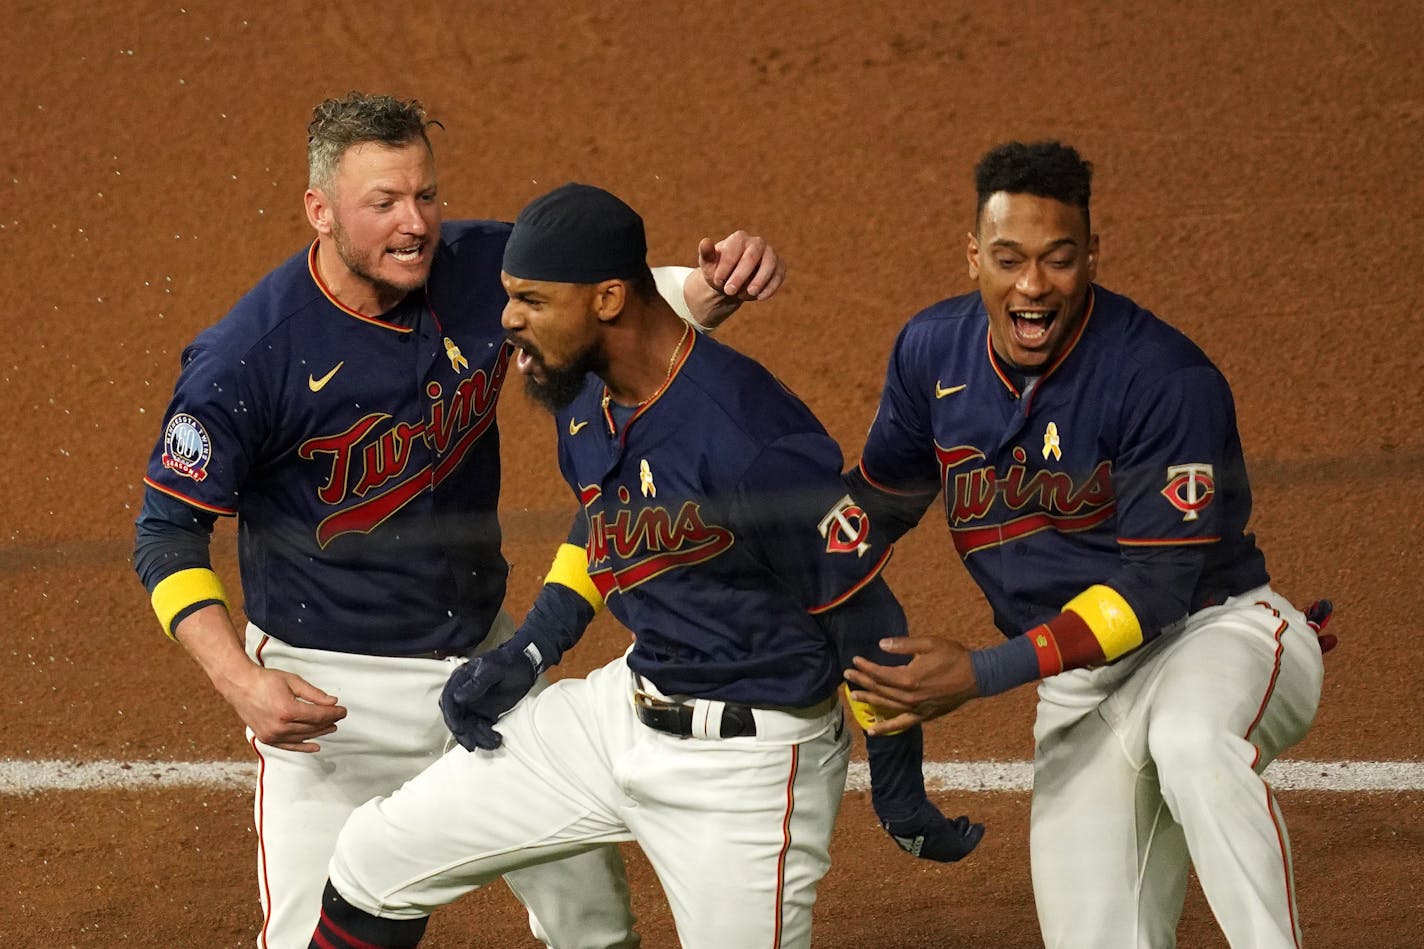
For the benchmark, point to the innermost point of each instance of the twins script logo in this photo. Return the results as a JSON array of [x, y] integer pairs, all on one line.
[[373, 453], [845, 528], [1190, 488], [1052, 499], [649, 542]]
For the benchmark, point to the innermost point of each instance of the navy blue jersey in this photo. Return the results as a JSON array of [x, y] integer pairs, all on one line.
[[360, 454], [1120, 465], [717, 527]]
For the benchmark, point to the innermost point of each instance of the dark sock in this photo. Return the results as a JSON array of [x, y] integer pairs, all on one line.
[[343, 926]]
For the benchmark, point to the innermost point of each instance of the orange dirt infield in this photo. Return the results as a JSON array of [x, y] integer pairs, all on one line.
[[1258, 185]]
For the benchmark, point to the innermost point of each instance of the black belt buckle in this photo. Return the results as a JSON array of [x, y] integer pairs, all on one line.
[[675, 718]]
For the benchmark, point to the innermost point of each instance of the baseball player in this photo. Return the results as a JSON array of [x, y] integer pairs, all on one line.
[[1094, 487], [344, 410], [715, 526]]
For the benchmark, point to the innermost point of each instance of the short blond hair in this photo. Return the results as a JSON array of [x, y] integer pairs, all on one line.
[[357, 118]]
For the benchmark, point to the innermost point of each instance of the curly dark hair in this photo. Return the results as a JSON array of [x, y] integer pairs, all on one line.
[[357, 118], [1048, 169]]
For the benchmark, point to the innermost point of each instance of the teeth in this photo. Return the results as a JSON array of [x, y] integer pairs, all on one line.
[[1031, 326], [408, 254]]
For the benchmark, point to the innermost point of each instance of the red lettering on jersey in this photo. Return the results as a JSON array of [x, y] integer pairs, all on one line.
[[387, 456], [970, 495], [974, 494], [341, 448], [651, 543], [451, 430], [366, 516], [1053, 487], [473, 401], [954, 457], [967, 540], [653, 531]]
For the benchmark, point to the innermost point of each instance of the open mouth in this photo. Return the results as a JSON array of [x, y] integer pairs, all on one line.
[[1031, 327], [525, 357], [407, 255]]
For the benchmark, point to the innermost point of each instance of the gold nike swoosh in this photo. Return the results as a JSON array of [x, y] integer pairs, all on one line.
[[576, 427], [941, 392], [316, 385]]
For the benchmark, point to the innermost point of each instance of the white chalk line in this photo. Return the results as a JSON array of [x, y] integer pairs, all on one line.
[[35, 777]]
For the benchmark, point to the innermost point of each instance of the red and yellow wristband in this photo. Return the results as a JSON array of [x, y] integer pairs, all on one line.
[[1096, 626], [176, 594]]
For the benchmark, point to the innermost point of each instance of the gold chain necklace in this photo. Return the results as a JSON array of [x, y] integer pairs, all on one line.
[[672, 361]]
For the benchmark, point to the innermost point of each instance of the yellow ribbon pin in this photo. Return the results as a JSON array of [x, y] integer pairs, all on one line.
[[457, 360], [1050, 441]]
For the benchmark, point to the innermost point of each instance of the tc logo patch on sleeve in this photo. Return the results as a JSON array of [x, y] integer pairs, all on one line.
[[1190, 488], [186, 447], [846, 527]]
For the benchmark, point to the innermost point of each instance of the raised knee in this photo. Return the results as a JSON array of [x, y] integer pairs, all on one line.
[[357, 863], [1189, 753]]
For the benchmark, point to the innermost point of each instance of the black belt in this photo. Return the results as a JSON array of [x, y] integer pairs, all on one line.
[[467, 652], [675, 718]]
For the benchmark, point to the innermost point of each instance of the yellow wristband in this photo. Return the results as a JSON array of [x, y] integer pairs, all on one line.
[[178, 591], [570, 569], [864, 713], [1110, 619]]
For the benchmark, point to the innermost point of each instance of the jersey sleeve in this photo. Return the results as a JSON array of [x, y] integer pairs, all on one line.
[[893, 514], [793, 508], [210, 430], [1168, 472], [669, 281], [169, 536], [899, 457]]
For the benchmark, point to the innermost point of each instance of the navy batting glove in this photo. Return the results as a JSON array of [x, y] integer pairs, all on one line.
[[482, 690], [929, 835]]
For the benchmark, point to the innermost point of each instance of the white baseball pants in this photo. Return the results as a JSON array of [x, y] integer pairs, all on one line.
[[1145, 764], [392, 731], [738, 829]]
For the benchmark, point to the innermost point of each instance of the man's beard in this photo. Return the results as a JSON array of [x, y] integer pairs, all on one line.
[[561, 386], [346, 252]]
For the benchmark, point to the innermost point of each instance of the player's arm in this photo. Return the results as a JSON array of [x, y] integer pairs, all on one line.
[[790, 509], [1185, 415], [738, 268], [171, 557], [894, 513], [897, 785], [486, 687], [1096, 626], [897, 477]]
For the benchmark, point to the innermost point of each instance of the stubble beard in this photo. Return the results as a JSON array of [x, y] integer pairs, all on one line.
[[384, 288]]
